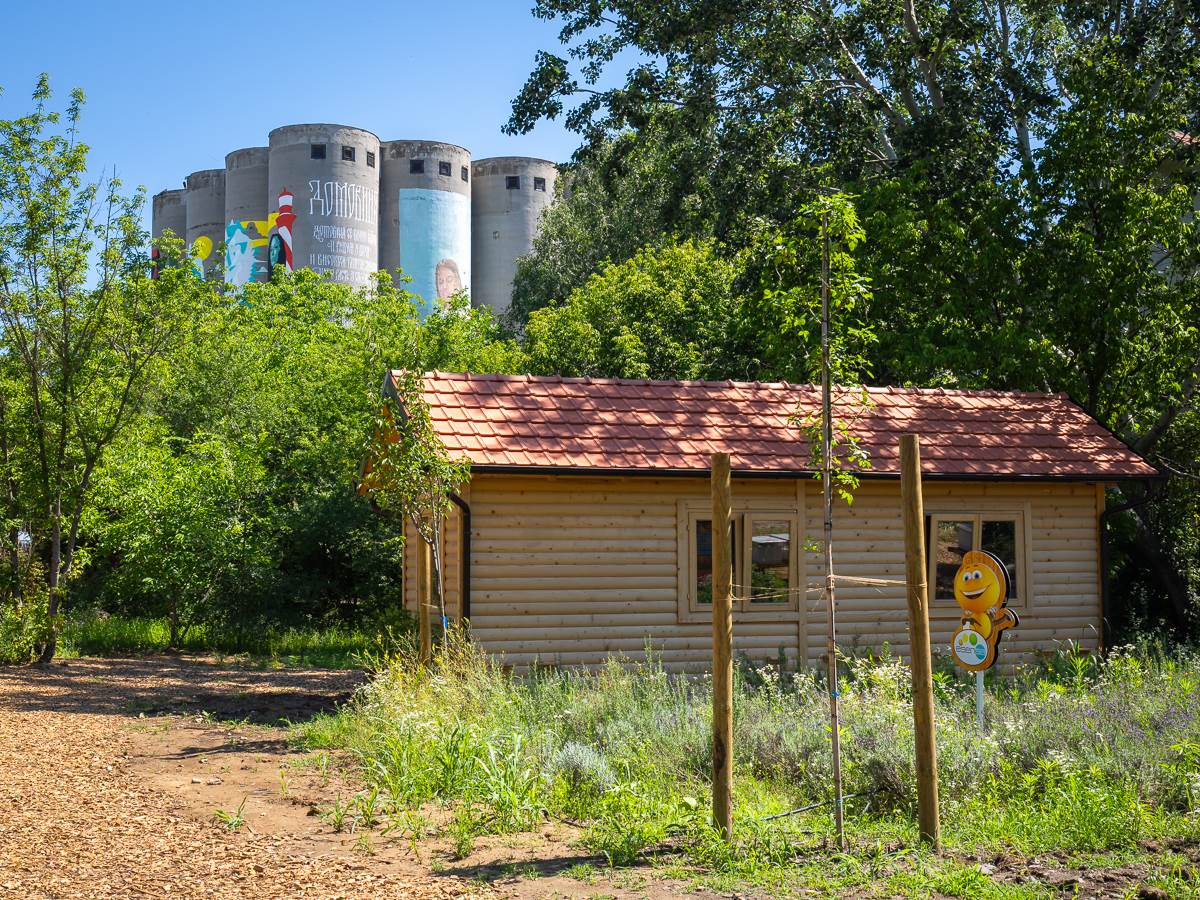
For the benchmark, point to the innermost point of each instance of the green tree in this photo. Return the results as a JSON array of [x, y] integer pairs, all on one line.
[[1026, 172], [631, 190], [782, 321], [665, 313], [84, 332], [183, 524], [281, 385], [409, 472]]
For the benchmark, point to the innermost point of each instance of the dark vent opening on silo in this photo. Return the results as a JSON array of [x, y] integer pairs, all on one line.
[[316, 151], [444, 168], [416, 167], [466, 174], [512, 182], [370, 160], [539, 184], [347, 153]]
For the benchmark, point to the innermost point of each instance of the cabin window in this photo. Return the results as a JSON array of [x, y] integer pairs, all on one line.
[[949, 536], [702, 559], [769, 559], [763, 546]]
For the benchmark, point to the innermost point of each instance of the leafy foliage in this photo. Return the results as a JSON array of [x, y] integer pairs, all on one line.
[[84, 336], [409, 471], [1026, 172], [235, 502], [664, 313], [183, 525]]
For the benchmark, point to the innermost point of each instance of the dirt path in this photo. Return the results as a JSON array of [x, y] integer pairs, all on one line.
[[96, 802]]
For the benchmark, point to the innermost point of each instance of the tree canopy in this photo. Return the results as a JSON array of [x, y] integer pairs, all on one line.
[[1025, 172]]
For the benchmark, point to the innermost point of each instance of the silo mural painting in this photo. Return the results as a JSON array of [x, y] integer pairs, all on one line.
[[202, 248], [341, 248], [280, 251], [336, 200], [248, 220], [245, 250], [435, 242]]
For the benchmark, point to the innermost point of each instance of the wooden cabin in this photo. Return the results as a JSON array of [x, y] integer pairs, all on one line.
[[585, 530]]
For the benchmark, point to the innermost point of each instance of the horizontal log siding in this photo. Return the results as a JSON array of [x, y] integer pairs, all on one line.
[[1063, 564], [451, 563], [568, 570]]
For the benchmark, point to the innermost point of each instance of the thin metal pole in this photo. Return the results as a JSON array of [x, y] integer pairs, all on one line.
[[827, 482], [979, 699]]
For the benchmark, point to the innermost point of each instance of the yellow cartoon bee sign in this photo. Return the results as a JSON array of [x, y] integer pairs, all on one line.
[[981, 587]]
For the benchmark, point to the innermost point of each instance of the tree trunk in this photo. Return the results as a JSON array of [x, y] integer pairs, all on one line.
[[438, 593], [173, 624], [51, 645]]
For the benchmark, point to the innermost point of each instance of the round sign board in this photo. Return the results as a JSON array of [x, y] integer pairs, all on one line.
[[970, 648]]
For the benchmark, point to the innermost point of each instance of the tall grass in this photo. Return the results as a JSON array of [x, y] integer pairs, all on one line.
[[1096, 760], [104, 635]]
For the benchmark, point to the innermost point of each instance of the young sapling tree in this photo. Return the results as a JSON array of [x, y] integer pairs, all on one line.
[[409, 473]]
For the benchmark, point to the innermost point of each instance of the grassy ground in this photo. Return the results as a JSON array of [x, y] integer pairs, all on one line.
[[1093, 764], [103, 635]]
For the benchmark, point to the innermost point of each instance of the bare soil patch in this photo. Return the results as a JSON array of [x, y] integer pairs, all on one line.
[[82, 819], [113, 771]]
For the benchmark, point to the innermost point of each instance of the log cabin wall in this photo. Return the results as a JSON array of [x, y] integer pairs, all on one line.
[[451, 546], [568, 570]]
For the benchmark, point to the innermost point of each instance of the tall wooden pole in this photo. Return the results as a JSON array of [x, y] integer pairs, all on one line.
[[827, 483], [918, 629], [722, 622], [424, 601]]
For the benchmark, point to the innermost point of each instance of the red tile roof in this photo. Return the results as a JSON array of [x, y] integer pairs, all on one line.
[[574, 424]]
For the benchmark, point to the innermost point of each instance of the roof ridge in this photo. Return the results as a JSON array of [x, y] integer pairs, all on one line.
[[626, 424], [938, 390]]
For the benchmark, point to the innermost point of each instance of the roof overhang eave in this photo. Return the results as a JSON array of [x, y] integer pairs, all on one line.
[[614, 472]]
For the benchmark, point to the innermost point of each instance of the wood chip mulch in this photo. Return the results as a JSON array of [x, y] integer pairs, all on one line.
[[76, 823]]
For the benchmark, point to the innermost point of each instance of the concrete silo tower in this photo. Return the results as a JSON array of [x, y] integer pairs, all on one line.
[[425, 216], [323, 186], [205, 199], [247, 221], [169, 212], [508, 198]]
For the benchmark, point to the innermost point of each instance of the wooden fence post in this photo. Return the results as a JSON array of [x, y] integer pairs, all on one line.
[[722, 622], [424, 601], [918, 629]]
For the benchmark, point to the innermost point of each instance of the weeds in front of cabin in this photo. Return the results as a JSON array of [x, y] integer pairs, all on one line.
[[98, 634], [1082, 756]]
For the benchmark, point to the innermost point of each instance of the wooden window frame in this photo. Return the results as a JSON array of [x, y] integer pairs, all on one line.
[[1020, 514], [689, 512], [748, 604], [694, 608]]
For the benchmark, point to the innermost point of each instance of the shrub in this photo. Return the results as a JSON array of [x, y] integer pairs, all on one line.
[[1079, 758], [24, 612]]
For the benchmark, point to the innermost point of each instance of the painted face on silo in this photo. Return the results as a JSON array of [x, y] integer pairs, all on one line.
[[275, 256], [449, 281]]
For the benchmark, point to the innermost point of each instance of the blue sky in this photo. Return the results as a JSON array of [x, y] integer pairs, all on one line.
[[172, 87]]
